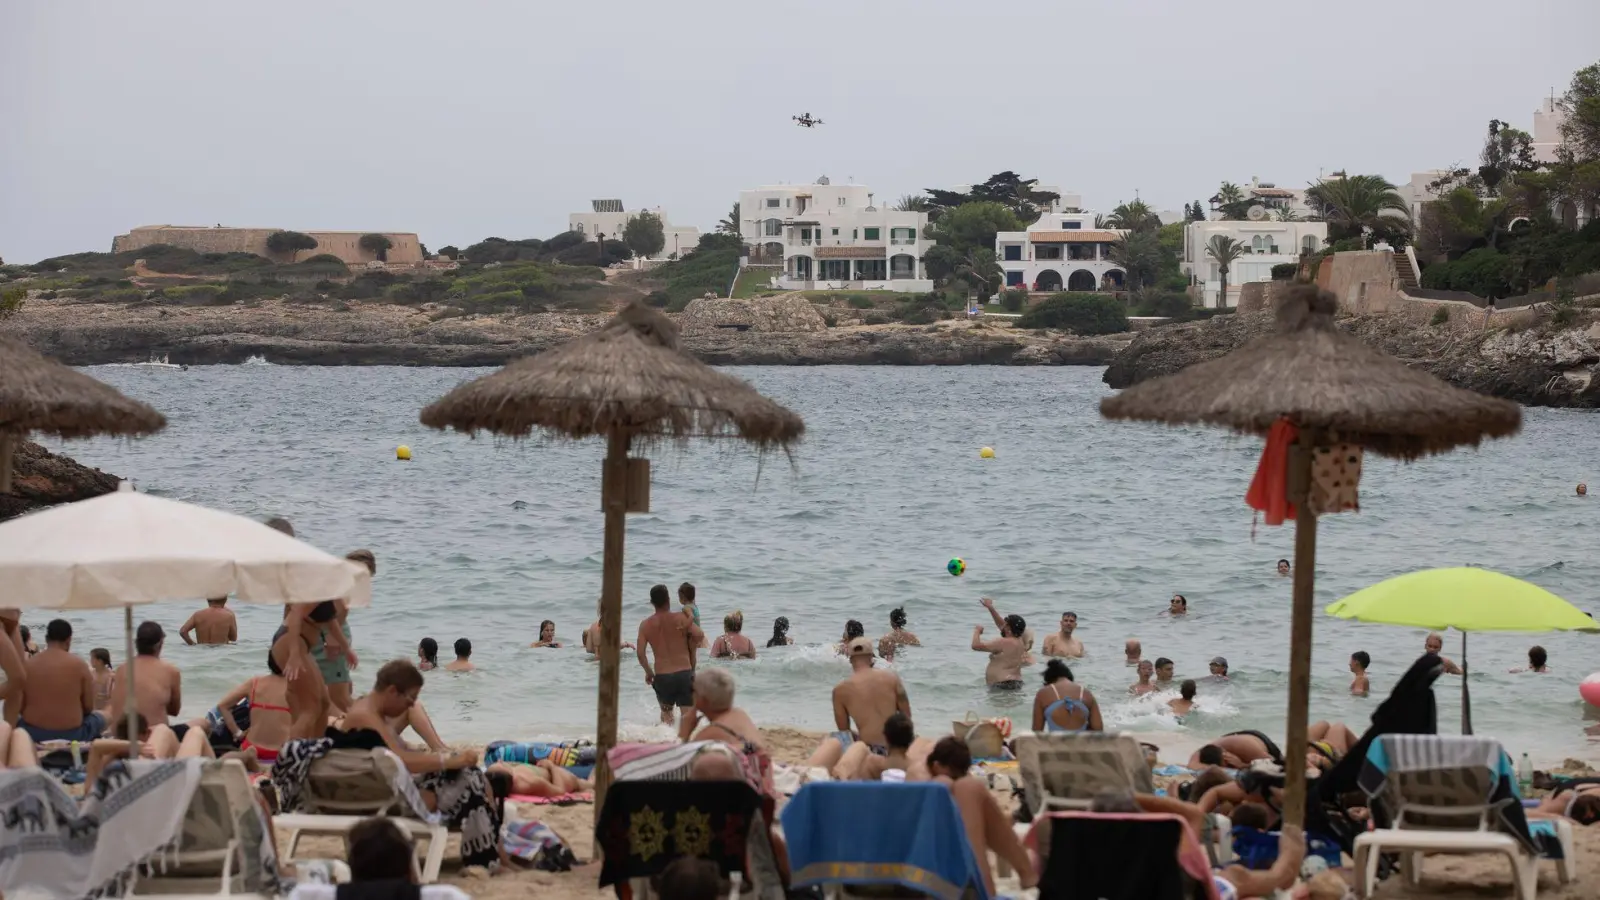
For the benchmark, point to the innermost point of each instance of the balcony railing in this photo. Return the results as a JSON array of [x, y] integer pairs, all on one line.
[[901, 276], [805, 242], [902, 241]]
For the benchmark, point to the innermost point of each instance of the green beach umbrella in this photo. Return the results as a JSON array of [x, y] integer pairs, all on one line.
[[1466, 599]]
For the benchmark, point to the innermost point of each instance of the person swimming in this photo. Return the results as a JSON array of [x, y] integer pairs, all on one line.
[[427, 654], [780, 633], [1283, 568], [852, 630], [1183, 704]]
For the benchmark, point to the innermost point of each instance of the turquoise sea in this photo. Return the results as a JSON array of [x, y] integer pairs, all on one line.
[[482, 539]]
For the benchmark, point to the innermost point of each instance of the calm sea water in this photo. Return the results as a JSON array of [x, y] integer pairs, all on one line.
[[483, 539]]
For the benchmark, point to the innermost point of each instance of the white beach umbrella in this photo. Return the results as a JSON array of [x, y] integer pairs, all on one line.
[[126, 548]]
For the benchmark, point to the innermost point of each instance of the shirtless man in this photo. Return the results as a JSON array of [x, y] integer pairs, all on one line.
[[1147, 669], [713, 704], [898, 636], [12, 658], [1360, 686], [215, 624], [58, 704], [1183, 704], [1434, 644], [158, 684], [541, 778], [463, 660], [1062, 643], [1163, 671], [867, 698], [1239, 750], [1132, 652], [1005, 652], [672, 637], [591, 635]]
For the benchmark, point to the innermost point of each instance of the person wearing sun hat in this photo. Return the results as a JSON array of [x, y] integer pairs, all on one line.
[[865, 699]]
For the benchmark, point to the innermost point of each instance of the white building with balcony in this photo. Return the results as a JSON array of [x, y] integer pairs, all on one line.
[[826, 236], [1266, 244], [609, 218], [1062, 251]]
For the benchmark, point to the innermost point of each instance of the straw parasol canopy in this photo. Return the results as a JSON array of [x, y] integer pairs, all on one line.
[[1321, 378], [1334, 389], [631, 383], [38, 394], [630, 377]]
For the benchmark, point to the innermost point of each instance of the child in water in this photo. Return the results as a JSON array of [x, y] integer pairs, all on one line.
[[1359, 661]]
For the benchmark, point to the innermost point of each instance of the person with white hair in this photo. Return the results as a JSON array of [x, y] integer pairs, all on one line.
[[713, 706]]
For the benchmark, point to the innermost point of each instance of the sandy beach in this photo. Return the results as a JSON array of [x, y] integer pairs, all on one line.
[[1445, 878]]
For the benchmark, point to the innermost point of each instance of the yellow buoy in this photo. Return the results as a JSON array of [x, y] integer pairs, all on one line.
[[986, 453], [402, 452]]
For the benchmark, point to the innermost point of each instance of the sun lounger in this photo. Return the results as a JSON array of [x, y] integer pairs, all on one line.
[[857, 837], [346, 786], [1452, 795], [1120, 856], [223, 850], [1066, 771], [647, 824]]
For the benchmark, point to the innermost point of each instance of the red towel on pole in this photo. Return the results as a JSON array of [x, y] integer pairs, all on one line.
[[1269, 490]]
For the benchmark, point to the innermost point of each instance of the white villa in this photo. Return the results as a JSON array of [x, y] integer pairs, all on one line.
[[828, 236], [1271, 198], [1267, 244], [608, 218], [1062, 251]]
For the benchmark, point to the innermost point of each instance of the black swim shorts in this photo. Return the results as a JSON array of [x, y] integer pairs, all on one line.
[[675, 689], [1006, 686]]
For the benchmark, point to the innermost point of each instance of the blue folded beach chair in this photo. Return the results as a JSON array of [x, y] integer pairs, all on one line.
[[881, 833]]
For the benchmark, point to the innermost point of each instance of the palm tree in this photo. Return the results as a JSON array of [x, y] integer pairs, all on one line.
[[730, 224], [1139, 255], [912, 203], [1135, 216], [1102, 221], [982, 271], [1352, 203], [1230, 193], [1285, 214], [1224, 250]]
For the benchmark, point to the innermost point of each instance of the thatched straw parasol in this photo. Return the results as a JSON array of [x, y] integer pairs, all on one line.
[[1335, 389], [41, 395], [630, 382]]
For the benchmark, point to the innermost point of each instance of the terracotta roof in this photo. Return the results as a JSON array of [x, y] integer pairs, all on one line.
[[850, 253], [1272, 192], [1072, 237]]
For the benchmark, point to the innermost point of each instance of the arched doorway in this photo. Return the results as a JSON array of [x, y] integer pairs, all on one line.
[[1081, 280], [772, 252], [1112, 281], [1048, 280], [801, 267]]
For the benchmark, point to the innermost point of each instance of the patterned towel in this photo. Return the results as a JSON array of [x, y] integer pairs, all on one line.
[[537, 845], [134, 815]]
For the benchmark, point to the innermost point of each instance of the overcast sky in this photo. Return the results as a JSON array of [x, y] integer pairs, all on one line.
[[469, 118]]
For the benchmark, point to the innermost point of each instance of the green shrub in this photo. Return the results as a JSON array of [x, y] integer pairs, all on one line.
[[876, 318], [1085, 314], [1285, 271], [860, 302], [657, 299], [118, 295], [678, 304], [1014, 301], [290, 242], [922, 309], [830, 320], [195, 295], [710, 269], [1441, 316], [11, 300], [1164, 303]]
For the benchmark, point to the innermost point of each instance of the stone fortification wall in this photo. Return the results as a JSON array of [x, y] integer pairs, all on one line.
[[344, 244], [1365, 282], [767, 314]]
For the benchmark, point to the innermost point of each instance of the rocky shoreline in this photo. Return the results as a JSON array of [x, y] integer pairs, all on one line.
[[1535, 366], [357, 334], [42, 478]]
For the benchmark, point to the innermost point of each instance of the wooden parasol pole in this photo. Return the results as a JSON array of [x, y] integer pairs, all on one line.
[[8, 444], [614, 500], [1305, 566]]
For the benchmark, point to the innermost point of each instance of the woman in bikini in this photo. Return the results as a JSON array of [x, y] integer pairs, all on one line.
[[303, 628], [270, 718], [1063, 704]]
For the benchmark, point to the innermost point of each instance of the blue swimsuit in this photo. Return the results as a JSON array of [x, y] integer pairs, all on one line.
[[1068, 703]]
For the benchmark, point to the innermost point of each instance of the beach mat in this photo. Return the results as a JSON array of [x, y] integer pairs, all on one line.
[[557, 800]]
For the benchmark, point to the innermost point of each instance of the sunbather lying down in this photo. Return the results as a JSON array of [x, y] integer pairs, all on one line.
[[16, 748], [539, 779], [159, 742], [1578, 800]]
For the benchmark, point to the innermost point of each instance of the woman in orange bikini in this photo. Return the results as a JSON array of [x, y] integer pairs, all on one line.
[[270, 718]]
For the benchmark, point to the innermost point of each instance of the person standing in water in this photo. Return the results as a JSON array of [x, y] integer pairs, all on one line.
[[852, 630], [1359, 661], [780, 633], [1062, 643], [1006, 652], [215, 624], [427, 655], [1178, 606], [1132, 652], [1583, 489], [1183, 704], [672, 637], [1537, 661], [1434, 644], [1147, 669], [898, 636], [463, 661], [732, 644], [1283, 568], [547, 636]]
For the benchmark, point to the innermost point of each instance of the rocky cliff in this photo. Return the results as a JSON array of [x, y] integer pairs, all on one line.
[[1537, 366], [43, 479], [356, 333]]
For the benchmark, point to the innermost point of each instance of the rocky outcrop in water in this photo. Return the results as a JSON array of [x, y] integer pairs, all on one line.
[[354, 333], [44, 479], [1537, 366]]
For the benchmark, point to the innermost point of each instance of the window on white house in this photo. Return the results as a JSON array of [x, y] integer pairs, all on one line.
[[580, 228], [843, 201], [772, 203], [1308, 244], [872, 233], [836, 232], [774, 228], [1071, 226]]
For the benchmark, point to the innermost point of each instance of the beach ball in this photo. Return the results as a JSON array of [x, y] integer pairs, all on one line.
[[402, 452], [956, 566], [986, 453], [1589, 689]]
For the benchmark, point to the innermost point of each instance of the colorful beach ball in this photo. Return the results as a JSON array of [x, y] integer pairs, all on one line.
[[957, 566]]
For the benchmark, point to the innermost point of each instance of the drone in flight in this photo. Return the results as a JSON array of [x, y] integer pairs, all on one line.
[[806, 121]]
